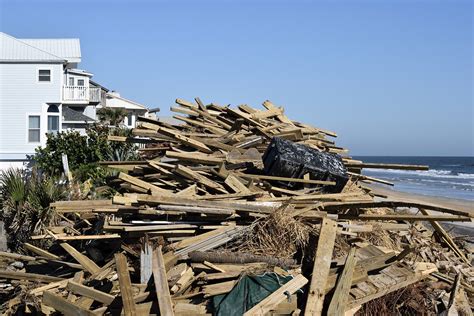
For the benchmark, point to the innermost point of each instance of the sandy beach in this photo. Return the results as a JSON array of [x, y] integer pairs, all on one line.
[[461, 228]]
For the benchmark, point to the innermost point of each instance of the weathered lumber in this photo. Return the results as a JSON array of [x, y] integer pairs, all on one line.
[[322, 262], [238, 257], [392, 204], [195, 157], [28, 276], [40, 252], [339, 299], [142, 184], [64, 306], [161, 283], [90, 292], [129, 307], [278, 296], [449, 241], [274, 178], [87, 263], [387, 166], [410, 279], [405, 217]]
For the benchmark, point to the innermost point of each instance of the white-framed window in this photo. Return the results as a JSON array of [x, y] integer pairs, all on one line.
[[129, 119], [34, 128], [71, 81], [53, 124], [44, 75], [80, 82], [53, 119]]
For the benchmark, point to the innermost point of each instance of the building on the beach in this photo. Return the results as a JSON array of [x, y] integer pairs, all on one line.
[[42, 91]]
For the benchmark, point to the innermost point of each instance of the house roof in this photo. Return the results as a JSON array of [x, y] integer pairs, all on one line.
[[13, 49], [70, 115], [98, 85], [114, 100], [66, 48], [79, 72]]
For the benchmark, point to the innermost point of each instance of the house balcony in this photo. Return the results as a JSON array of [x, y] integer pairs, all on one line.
[[81, 94]]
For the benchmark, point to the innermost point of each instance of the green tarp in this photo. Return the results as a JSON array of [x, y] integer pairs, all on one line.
[[249, 291]]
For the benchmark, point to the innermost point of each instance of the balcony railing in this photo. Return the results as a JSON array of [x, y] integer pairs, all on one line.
[[81, 94]]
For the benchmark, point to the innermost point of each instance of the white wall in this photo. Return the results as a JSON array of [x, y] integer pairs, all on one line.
[[90, 111], [21, 94]]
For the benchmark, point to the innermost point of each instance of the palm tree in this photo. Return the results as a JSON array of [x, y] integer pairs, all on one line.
[[112, 116]]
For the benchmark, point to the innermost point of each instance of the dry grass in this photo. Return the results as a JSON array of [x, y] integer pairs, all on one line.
[[411, 300], [279, 235]]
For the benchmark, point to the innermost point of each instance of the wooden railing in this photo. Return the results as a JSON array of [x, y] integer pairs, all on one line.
[[80, 93]]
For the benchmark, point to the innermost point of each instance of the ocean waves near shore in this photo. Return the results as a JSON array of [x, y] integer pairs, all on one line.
[[451, 177]]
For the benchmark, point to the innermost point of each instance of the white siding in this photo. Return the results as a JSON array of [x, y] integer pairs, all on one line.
[[20, 94], [90, 111]]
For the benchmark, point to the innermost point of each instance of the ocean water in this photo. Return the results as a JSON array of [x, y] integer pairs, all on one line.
[[451, 177]]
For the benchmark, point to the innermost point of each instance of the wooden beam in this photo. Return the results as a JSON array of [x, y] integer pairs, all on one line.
[[404, 217], [197, 157], [322, 263], [90, 292], [161, 283], [274, 178], [129, 308], [64, 306], [386, 166], [40, 252], [142, 184], [28, 276], [393, 204], [271, 301], [339, 299], [146, 262], [87, 263]]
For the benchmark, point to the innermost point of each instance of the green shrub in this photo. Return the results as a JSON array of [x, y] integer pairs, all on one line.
[[84, 151], [24, 200]]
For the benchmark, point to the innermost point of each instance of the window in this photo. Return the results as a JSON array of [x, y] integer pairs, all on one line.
[[71, 81], [34, 128], [53, 119], [44, 75], [80, 82], [53, 124], [129, 119]]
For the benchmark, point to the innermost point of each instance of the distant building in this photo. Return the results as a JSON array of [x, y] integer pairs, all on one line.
[[43, 91]]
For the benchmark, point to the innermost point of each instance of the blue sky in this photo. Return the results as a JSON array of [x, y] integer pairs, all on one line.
[[390, 77]]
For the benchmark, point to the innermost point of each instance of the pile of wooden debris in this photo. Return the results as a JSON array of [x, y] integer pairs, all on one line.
[[223, 216]]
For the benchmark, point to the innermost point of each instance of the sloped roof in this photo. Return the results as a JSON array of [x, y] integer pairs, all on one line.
[[12, 49], [66, 48], [69, 115], [114, 100]]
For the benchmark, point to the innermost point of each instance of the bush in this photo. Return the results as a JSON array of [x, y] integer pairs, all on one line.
[[24, 200], [84, 152]]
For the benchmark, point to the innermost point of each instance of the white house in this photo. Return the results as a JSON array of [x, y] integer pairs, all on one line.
[[43, 91], [133, 109]]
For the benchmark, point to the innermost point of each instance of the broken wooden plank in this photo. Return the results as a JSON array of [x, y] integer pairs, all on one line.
[[40, 252], [340, 297], [386, 166], [125, 284], [274, 178], [87, 263], [161, 283], [142, 184], [322, 263], [64, 306], [28, 276], [90, 292], [278, 296]]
